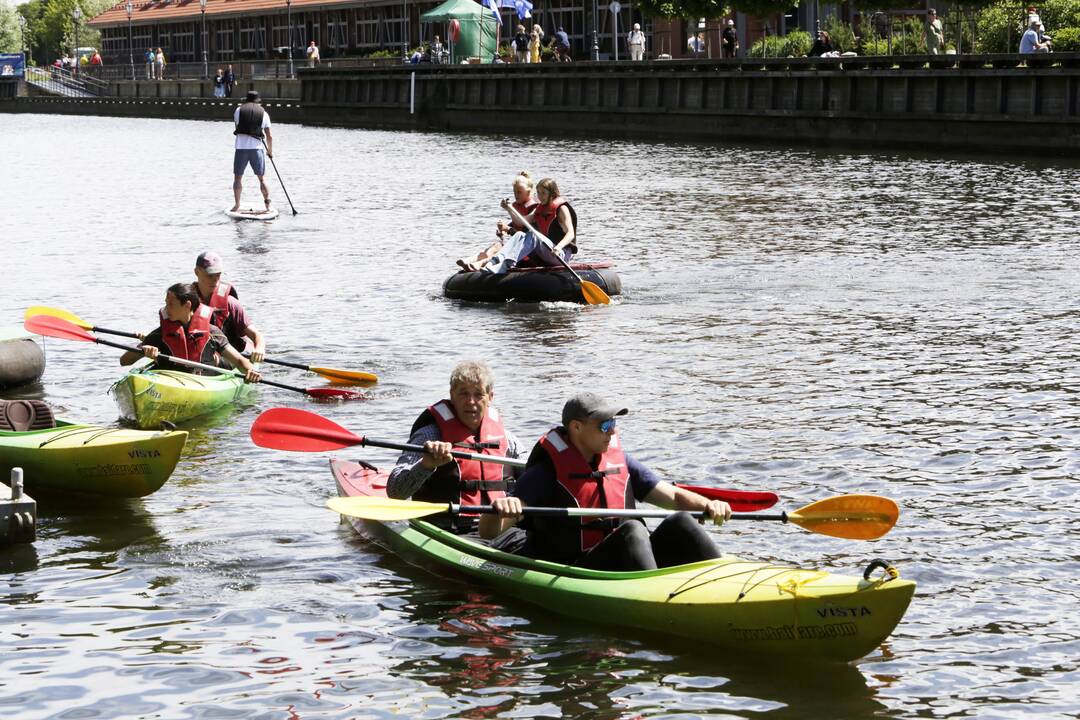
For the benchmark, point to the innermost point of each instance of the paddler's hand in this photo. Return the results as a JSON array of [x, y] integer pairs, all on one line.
[[257, 356], [508, 507], [505, 204], [252, 376], [436, 454], [719, 511], [501, 228], [150, 351]]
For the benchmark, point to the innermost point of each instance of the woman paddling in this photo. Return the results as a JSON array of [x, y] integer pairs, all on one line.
[[524, 202], [554, 218]]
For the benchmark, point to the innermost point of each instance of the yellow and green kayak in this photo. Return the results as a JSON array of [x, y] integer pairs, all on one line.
[[755, 607], [148, 397], [92, 460]]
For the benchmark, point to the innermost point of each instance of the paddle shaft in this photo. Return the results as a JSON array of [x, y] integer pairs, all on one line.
[[202, 366], [606, 512], [274, 165], [525, 223], [121, 333], [348, 438]]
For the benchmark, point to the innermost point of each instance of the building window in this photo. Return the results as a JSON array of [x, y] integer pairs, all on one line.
[[337, 32]]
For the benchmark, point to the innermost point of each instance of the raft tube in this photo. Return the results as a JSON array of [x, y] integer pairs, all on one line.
[[21, 359], [531, 284]]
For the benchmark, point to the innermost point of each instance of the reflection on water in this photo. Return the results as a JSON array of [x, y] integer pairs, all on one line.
[[805, 322]]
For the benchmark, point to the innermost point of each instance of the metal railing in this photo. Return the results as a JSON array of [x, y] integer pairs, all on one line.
[[245, 70], [61, 81]]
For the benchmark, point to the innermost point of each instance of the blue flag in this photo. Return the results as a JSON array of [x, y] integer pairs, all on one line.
[[493, 6], [523, 7]]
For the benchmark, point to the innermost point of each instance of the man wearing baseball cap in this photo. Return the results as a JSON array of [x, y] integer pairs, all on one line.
[[581, 464], [252, 131], [229, 313]]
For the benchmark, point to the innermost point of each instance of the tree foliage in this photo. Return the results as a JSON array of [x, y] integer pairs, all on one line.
[[708, 9], [1000, 26], [50, 26], [763, 8], [9, 29]]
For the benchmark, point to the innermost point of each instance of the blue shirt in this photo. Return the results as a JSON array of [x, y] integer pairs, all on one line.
[[1028, 41], [562, 39]]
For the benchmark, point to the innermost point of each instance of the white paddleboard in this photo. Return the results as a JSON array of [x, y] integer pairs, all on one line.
[[252, 214]]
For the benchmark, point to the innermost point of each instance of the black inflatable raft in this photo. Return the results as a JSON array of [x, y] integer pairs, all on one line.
[[21, 359], [531, 284]]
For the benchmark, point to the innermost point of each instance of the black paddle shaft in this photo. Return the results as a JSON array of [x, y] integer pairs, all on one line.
[[605, 512], [274, 164]]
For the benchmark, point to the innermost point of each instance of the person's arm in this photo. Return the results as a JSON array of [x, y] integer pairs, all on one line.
[[147, 349], [668, 496], [269, 143], [414, 468], [258, 354], [239, 362], [514, 214], [567, 223]]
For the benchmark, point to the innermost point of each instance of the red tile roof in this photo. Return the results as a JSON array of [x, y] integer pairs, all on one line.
[[165, 10]]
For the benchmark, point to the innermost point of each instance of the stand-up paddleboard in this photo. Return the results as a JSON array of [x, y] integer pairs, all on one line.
[[253, 214]]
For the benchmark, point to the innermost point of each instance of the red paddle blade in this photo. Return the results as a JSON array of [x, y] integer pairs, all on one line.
[[329, 392], [739, 500], [300, 431], [56, 327]]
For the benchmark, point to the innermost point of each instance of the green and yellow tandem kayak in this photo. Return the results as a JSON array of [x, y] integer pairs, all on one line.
[[91, 460], [758, 608], [148, 397]]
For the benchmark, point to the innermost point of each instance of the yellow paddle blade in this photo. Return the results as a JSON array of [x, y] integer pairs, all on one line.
[[57, 313], [855, 517], [384, 509], [346, 377], [594, 295]]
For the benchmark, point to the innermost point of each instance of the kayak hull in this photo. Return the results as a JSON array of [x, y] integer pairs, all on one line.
[[149, 397], [753, 607], [531, 284], [92, 460]]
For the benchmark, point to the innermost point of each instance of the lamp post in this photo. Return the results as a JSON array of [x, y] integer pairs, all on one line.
[[76, 16], [130, 7], [22, 41], [202, 39], [288, 6]]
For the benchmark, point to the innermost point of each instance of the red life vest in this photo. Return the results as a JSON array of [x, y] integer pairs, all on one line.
[[189, 343], [524, 208], [605, 486], [546, 214], [219, 301], [478, 482]]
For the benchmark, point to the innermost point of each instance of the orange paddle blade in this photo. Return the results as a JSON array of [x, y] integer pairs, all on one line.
[[854, 517], [593, 293], [346, 377]]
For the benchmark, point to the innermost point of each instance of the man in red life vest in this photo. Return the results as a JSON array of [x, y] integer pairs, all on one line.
[[468, 422], [185, 331], [229, 314], [581, 464]]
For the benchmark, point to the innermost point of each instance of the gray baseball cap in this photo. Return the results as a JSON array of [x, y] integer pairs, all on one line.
[[589, 406]]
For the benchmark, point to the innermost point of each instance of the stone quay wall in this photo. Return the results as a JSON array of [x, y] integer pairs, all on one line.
[[987, 103]]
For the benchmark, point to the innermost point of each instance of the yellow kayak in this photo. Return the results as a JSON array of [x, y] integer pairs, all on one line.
[[148, 397]]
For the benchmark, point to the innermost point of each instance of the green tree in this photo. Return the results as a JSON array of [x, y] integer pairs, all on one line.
[[708, 9], [9, 29], [1000, 25]]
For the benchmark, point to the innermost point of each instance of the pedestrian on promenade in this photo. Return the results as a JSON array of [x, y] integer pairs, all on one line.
[[935, 35], [729, 40], [95, 59], [521, 45], [252, 136], [313, 54], [436, 50], [1030, 43], [149, 63], [534, 44], [219, 83], [230, 81], [562, 46], [635, 40], [159, 64], [695, 44]]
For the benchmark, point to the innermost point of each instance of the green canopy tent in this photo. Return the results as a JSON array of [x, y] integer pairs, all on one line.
[[478, 28]]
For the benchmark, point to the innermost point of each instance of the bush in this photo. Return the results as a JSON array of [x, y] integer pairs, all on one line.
[[842, 34], [772, 46], [383, 54], [1066, 39], [797, 43], [873, 45], [1000, 26]]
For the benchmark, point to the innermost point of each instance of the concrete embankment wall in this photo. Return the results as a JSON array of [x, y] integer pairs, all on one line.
[[178, 108], [833, 101], [272, 88]]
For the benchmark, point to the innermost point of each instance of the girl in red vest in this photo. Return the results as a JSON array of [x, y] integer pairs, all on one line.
[[524, 202], [554, 218]]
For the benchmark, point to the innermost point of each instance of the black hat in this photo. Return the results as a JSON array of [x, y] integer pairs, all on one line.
[[252, 96], [589, 406]]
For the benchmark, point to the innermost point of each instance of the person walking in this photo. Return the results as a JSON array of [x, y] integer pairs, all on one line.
[[159, 64], [313, 54], [935, 36], [252, 136], [635, 40], [219, 83], [534, 44], [729, 40], [149, 63], [230, 81], [521, 45], [436, 50]]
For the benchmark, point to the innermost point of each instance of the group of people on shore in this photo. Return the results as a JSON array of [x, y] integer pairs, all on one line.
[[224, 82]]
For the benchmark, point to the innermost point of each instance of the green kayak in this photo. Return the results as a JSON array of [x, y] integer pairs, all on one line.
[[754, 607], [148, 397]]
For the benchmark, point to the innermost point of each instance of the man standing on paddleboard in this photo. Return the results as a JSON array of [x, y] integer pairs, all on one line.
[[252, 136]]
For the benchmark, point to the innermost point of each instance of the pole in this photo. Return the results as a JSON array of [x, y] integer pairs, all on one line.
[[131, 51], [288, 4], [615, 35], [202, 41], [76, 15]]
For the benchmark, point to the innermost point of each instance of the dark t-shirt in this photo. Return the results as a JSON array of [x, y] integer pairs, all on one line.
[[521, 42], [729, 37], [214, 347]]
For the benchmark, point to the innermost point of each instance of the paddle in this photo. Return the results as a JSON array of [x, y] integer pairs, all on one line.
[[274, 164], [334, 375], [302, 431], [59, 328], [74, 320], [340, 377], [592, 292], [853, 517]]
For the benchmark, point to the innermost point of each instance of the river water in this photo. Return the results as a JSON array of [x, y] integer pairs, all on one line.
[[811, 323]]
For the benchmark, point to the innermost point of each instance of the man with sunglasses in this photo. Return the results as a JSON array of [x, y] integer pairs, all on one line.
[[581, 464]]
